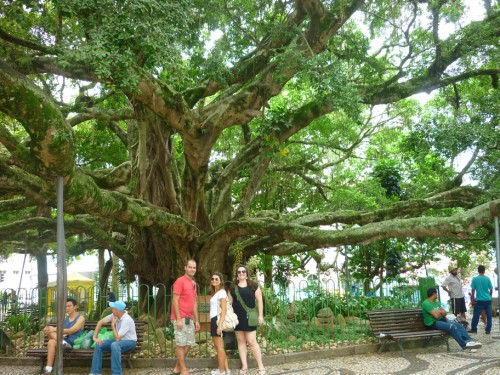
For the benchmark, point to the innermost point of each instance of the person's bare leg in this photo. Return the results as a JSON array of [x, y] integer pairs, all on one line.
[[242, 348], [251, 338], [51, 348], [180, 365], [51, 351], [221, 354], [186, 350]]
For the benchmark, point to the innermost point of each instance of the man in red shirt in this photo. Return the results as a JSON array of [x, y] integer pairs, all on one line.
[[184, 315]]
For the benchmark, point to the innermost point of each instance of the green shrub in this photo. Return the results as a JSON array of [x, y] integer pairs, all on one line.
[[26, 322]]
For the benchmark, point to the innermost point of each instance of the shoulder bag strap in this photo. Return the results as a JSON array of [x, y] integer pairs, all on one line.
[[240, 300]]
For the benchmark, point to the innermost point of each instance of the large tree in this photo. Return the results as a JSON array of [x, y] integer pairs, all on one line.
[[184, 127]]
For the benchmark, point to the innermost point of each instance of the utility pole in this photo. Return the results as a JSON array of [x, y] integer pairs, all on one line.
[[61, 276]]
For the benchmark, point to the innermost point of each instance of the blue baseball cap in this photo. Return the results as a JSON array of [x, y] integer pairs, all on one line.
[[119, 305]]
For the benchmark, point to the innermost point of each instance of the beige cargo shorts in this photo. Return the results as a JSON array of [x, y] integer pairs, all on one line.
[[184, 336]]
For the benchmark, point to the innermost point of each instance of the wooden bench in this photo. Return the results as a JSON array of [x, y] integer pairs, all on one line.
[[399, 325], [88, 353]]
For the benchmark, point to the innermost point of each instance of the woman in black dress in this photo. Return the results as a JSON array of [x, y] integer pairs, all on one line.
[[250, 292]]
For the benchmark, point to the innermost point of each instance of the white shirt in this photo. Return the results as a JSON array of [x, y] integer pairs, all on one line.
[[454, 285], [125, 327], [215, 302]]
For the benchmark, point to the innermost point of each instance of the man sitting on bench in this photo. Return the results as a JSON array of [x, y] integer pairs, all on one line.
[[125, 340], [73, 327], [435, 318]]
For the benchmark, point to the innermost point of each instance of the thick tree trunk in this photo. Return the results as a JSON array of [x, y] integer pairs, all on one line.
[[43, 279], [103, 288], [115, 280], [100, 261], [41, 266]]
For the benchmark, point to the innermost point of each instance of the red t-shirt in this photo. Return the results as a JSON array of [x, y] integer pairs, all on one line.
[[186, 289]]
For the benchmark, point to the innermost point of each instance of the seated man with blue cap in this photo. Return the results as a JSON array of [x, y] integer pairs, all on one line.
[[125, 339]]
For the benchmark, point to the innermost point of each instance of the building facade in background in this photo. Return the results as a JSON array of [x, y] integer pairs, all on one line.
[[14, 276]]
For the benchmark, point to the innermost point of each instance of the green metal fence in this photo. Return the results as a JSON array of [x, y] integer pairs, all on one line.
[[299, 316]]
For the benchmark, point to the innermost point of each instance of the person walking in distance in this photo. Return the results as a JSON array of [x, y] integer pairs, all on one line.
[[184, 315], [111, 296], [247, 292], [217, 301], [482, 290], [454, 287], [73, 327]]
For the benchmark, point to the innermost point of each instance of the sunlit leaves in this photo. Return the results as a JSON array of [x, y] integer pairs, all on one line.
[[97, 147], [118, 36], [459, 121]]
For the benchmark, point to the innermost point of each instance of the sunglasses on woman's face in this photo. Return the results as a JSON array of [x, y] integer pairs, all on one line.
[[241, 271]]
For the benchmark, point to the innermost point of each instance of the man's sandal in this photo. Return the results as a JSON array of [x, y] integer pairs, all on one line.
[[244, 372], [263, 372]]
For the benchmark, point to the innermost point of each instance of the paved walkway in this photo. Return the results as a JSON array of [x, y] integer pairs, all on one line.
[[423, 361]]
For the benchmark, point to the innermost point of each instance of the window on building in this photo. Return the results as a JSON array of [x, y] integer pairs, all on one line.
[[27, 272], [16, 272], [2, 275]]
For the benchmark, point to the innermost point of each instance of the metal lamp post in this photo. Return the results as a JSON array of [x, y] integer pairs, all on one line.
[[61, 277]]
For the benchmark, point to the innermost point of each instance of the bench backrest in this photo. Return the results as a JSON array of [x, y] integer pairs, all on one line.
[[394, 321]]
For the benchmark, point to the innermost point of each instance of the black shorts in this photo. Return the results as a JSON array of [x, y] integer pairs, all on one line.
[[458, 305], [213, 327]]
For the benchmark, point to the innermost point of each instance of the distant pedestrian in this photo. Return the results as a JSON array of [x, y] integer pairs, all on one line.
[[111, 296], [218, 301], [454, 286], [184, 315], [482, 289], [247, 292], [371, 293]]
